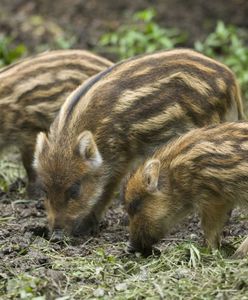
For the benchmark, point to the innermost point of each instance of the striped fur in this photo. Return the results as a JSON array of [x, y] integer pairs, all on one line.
[[125, 112], [205, 170], [32, 92]]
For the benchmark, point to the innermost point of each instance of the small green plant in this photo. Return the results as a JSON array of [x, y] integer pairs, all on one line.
[[63, 42], [8, 52], [143, 35], [26, 287], [228, 44], [60, 42]]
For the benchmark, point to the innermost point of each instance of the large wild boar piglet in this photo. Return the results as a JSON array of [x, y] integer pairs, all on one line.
[[120, 116]]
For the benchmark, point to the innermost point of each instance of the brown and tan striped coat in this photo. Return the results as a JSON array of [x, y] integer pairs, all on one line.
[[120, 116], [32, 92], [205, 170]]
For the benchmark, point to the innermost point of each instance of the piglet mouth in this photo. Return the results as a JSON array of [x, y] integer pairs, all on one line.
[[84, 226]]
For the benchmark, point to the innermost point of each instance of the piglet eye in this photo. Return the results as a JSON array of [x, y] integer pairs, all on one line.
[[74, 190]]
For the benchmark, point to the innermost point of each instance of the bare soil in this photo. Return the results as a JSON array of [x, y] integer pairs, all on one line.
[[24, 224]]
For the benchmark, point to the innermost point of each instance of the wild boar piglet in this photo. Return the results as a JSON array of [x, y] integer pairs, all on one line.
[[118, 117], [32, 92], [204, 171]]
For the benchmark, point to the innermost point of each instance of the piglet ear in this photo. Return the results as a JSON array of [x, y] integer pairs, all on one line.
[[151, 175], [42, 143], [88, 150]]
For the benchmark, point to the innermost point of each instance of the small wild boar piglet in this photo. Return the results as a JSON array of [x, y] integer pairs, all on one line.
[[120, 116], [32, 92], [205, 170]]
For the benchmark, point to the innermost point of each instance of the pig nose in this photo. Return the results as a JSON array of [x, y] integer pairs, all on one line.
[[145, 251], [57, 236], [131, 248]]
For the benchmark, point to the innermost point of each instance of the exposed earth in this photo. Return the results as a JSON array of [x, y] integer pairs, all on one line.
[[24, 237]]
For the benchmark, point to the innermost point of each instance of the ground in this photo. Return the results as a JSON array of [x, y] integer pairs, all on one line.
[[100, 267], [32, 267]]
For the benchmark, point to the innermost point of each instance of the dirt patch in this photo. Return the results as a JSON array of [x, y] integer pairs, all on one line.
[[24, 224]]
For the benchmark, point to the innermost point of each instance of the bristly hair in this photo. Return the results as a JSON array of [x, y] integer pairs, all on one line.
[[125, 181], [85, 88], [123, 187]]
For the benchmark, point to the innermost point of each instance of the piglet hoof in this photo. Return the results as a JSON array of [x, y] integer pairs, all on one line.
[[238, 255], [242, 250]]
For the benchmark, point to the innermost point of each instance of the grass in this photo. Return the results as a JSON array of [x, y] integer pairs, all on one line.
[[176, 274]]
